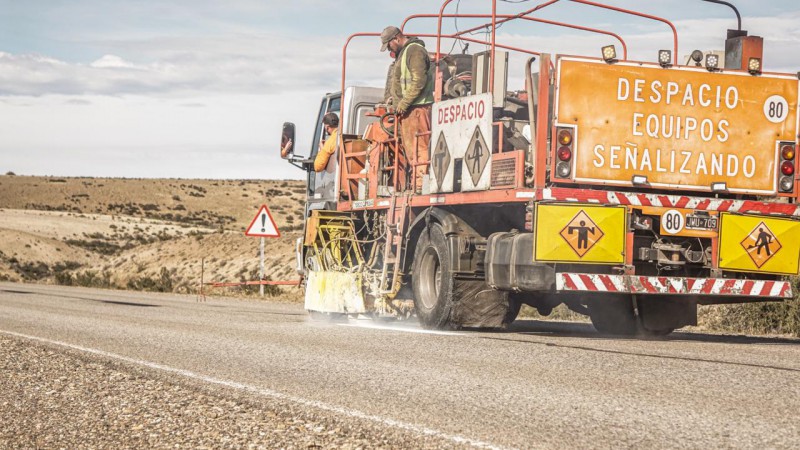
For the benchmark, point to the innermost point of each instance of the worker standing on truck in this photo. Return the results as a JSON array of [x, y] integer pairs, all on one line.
[[330, 122], [413, 84]]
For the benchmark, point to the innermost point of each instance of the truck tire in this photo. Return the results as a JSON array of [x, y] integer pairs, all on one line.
[[660, 316], [514, 306], [432, 279], [613, 315], [476, 305]]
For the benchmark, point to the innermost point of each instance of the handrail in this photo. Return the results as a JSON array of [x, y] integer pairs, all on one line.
[[503, 19], [509, 17], [639, 14], [340, 148], [438, 94], [344, 75], [478, 41], [450, 36], [528, 18]]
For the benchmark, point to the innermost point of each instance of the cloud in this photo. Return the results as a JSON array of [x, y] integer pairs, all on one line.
[[182, 66], [77, 102], [232, 137], [247, 61], [203, 90], [112, 62]]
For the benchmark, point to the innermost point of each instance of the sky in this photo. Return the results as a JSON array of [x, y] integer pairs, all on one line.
[[200, 89]]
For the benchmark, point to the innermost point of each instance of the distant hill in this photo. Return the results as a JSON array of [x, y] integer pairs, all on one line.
[[144, 233]]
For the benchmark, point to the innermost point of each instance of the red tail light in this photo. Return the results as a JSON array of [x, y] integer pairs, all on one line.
[[564, 154], [787, 168]]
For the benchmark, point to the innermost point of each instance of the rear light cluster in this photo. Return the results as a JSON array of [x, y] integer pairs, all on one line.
[[788, 155], [565, 140]]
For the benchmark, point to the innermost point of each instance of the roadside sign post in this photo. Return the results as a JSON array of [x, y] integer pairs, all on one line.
[[261, 270], [263, 226]]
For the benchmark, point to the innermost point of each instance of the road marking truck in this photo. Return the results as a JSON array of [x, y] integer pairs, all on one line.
[[630, 191]]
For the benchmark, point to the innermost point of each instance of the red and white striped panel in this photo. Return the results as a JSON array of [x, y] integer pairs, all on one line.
[[635, 284], [669, 201]]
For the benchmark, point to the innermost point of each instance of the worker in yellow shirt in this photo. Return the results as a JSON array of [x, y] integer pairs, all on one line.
[[331, 123]]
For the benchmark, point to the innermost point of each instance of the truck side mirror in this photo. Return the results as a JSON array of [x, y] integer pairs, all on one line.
[[287, 141]]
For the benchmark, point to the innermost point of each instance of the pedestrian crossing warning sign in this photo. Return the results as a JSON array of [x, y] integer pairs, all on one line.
[[477, 155], [581, 233], [441, 160], [761, 244], [585, 234]]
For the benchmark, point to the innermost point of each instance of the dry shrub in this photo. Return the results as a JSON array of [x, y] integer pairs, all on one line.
[[161, 283], [754, 318]]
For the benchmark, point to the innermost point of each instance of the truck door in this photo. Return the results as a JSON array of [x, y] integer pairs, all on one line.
[[322, 185]]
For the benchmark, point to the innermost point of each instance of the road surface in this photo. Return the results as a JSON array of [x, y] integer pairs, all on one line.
[[86, 367]]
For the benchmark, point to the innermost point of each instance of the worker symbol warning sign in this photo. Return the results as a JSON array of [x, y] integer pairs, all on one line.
[[581, 233], [761, 244], [263, 225], [441, 160], [477, 155]]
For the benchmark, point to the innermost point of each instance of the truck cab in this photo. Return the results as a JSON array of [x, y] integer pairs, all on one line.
[[355, 118]]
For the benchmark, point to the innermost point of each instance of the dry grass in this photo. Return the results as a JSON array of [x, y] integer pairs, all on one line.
[[753, 318], [144, 234]]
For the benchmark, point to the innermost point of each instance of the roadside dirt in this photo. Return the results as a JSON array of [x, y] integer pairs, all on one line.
[[155, 234]]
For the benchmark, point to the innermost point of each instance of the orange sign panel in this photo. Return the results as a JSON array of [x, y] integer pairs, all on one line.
[[682, 128]]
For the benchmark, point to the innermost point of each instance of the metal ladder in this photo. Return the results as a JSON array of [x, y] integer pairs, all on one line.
[[394, 248]]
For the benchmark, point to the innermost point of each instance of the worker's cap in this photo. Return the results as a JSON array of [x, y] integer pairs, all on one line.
[[387, 35]]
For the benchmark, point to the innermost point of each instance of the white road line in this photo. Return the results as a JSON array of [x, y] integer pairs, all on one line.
[[401, 329], [268, 393]]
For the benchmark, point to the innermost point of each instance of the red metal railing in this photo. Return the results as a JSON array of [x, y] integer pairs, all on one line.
[[494, 35], [495, 21], [257, 283], [639, 14], [511, 17]]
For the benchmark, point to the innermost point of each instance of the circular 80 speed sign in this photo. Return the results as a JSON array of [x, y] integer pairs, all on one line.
[[776, 109], [672, 222]]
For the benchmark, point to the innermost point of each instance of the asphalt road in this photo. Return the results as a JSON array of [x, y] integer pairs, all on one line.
[[539, 385]]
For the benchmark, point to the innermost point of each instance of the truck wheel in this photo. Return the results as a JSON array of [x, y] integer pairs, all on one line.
[[513, 311], [432, 279], [476, 305], [613, 315], [660, 316]]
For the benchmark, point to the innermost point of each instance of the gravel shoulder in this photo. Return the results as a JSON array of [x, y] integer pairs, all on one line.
[[60, 398]]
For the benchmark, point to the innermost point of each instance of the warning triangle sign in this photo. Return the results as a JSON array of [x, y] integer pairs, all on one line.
[[263, 225]]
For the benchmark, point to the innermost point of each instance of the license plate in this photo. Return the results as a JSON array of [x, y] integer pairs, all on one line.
[[701, 222]]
